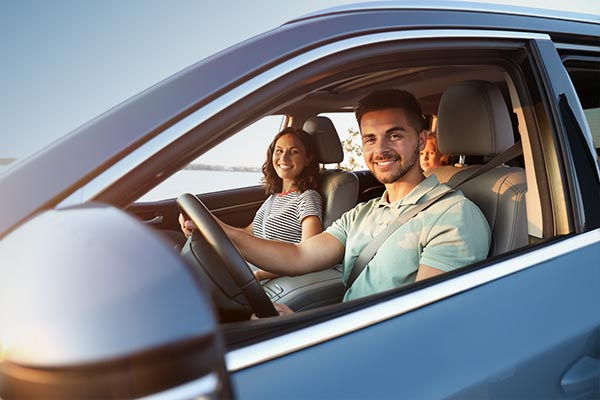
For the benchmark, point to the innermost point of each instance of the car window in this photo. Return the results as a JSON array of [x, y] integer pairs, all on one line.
[[585, 75], [232, 164], [593, 118]]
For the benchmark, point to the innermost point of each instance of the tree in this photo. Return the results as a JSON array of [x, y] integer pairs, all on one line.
[[353, 156]]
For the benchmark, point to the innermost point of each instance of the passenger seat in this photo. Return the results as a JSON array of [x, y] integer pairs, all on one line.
[[339, 188]]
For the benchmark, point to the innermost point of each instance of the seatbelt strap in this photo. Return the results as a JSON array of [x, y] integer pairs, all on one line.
[[367, 254]]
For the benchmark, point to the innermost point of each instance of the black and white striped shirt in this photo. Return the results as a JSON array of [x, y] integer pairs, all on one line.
[[285, 212]]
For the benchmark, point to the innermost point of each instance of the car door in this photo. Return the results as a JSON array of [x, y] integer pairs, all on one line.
[[520, 325]]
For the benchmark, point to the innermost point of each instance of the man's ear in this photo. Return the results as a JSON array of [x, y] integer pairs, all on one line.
[[422, 140]]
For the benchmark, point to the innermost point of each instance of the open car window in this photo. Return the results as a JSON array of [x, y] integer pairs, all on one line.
[[513, 72], [585, 75], [235, 163]]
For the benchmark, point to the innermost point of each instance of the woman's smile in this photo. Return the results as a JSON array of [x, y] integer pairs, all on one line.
[[289, 159]]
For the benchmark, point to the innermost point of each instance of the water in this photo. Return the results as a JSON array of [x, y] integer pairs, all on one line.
[[201, 181], [196, 182]]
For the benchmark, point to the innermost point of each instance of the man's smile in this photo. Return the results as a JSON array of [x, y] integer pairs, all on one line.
[[385, 163]]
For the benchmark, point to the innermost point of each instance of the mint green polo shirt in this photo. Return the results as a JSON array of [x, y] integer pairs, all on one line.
[[451, 233]]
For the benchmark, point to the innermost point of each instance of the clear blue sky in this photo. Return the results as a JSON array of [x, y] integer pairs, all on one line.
[[63, 62]]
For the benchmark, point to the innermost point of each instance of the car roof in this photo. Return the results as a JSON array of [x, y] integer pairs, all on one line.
[[454, 6]]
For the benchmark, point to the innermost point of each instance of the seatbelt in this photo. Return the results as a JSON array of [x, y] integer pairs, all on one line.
[[367, 254]]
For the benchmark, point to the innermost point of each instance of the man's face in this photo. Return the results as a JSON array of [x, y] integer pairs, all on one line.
[[391, 145]]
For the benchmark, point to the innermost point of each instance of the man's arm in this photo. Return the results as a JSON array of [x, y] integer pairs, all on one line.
[[311, 226], [317, 253], [425, 272]]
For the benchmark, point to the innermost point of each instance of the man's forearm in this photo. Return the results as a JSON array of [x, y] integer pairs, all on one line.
[[317, 253], [281, 258]]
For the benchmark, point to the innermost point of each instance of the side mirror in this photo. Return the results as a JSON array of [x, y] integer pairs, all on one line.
[[94, 304]]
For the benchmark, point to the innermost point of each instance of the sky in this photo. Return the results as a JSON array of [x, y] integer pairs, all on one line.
[[64, 62]]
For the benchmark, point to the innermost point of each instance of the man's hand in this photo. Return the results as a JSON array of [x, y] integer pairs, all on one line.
[[187, 226], [282, 309], [261, 275]]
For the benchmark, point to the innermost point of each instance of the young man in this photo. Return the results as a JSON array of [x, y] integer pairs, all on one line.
[[449, 234]]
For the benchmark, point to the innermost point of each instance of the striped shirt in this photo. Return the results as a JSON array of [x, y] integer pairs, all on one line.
[[284, 215]]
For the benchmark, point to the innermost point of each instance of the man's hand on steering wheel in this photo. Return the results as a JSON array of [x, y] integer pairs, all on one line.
[[187, 225]]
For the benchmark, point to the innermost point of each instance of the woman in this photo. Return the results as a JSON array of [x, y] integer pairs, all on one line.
[[293, 211]]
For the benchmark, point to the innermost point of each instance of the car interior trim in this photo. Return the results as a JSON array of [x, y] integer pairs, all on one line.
[[273, 348], [577, 47], [153, 146], [236, 207]]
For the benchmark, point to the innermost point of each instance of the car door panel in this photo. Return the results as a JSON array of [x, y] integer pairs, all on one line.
[[235, 207], [517, 336]]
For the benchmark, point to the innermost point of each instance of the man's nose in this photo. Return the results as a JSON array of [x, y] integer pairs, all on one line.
[[380, 147]]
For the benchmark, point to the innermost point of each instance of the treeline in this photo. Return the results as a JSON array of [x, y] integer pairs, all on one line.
[[204, 167]]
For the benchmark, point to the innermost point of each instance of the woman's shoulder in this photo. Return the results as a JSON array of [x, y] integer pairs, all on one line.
[[311, 195]]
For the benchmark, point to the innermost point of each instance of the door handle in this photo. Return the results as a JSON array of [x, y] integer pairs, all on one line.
[[156, 220], [582, 376]]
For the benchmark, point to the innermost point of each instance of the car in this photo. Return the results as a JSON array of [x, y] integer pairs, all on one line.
[[102, 296]]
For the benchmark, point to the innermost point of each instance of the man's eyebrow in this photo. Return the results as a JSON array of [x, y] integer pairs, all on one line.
[[396, 128]]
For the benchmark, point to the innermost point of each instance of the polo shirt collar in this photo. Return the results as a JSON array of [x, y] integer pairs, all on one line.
[[413, 196]]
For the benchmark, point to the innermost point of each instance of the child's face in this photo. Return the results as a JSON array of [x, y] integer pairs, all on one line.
[[430, 156]]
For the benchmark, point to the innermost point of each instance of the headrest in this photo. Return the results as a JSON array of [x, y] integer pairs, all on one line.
[[473, 120], [327, 142]]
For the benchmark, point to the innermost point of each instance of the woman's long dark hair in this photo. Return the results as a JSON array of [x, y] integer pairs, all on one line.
[[308, 178]]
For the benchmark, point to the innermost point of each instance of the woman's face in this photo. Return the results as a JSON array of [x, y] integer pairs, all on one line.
[[289, 157], [430, 156]]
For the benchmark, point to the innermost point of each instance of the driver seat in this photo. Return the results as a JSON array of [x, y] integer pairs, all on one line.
[[339, 188]]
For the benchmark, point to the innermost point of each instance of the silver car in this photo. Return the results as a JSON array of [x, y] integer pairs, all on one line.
[[101, 296]]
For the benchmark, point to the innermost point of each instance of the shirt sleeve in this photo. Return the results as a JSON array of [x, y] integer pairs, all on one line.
[[340, 228], [310, 203], [460, 236]]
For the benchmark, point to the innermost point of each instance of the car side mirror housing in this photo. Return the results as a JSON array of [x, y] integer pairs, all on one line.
[[94, 304]]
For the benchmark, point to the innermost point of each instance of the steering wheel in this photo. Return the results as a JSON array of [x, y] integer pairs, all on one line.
[[211, 252]]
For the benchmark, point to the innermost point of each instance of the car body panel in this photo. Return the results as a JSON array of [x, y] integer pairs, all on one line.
[[443, 349]]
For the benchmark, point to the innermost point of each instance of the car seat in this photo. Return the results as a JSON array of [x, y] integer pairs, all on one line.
[[339, 188], [473, 120]]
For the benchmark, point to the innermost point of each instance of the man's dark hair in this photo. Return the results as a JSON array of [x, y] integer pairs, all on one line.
[[392, 98]]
